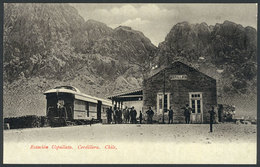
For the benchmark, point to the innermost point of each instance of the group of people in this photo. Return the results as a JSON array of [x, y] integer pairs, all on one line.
[[127, 115]]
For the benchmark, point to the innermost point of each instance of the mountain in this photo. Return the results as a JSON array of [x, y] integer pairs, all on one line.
[[46, 45], [123, 43], [226, 52], [91, 31]]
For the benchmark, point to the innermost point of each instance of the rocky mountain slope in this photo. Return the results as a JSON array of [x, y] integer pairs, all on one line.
[[46, 45], [227, 52]]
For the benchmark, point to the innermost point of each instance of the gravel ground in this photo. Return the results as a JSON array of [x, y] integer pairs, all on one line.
[[194, 133], [132, 144]]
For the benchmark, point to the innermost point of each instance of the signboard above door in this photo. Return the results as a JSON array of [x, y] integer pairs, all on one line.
[[178, 77]]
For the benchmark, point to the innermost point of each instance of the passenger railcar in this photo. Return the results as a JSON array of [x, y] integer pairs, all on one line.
[[67, 105]]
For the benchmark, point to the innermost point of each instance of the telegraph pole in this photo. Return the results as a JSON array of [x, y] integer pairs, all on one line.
[[163, 94]]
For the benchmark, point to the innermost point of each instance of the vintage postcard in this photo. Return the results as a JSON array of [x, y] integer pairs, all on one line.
[[130, 83]]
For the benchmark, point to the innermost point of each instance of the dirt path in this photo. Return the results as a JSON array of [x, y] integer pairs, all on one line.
[[195, 133], [144, 144]]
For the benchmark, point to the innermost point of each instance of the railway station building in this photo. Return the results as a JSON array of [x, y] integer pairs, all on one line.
[[175, 86]]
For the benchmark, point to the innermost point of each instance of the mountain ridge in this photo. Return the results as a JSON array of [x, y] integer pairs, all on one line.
[[43, 52], [226, 52], [62, 49]]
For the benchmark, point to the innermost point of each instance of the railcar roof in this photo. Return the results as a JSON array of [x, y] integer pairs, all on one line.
[[75, 91], [67, 87]]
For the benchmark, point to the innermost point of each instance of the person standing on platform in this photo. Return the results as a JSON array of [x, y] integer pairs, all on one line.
[[119, 115], [170, 115], [187, 112], [124, 114], [62, 112], [150, 114], [109, 115], [220, 112], [211, 118], [127, 115], [133, 115], [116, 115], [141, 117]]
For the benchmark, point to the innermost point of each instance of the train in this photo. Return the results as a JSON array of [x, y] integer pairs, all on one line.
[[66, 105]]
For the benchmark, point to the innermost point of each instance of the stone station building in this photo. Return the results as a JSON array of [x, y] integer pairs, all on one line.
[[174, 86]]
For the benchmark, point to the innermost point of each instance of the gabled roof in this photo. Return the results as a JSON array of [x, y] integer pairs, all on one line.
[[126, 92], [174, 63]]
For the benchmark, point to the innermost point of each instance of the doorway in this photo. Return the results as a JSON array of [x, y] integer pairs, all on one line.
[[196, 106], [163, 102]]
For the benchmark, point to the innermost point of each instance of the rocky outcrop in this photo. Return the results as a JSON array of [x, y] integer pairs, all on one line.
[[226, 52], [46, 45]]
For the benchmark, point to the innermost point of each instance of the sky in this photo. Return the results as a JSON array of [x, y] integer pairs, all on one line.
[[156, 20]]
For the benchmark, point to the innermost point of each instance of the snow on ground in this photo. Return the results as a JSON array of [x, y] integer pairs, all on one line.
[[194, 133], [229, 143]]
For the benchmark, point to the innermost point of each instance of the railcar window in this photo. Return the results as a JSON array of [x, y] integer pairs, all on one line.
[[79, 105], [92, 107]]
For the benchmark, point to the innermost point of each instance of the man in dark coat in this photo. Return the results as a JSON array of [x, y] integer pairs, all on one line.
[[220, 112], [62, 112], [116, 115], [119, 117], [187, 112], [211, 118], [133, 114], [150, 114], [109, 115], [170, 115], [125, 114], [141, 117]]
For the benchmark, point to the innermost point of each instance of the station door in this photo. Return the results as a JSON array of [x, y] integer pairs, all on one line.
[[197, 108]]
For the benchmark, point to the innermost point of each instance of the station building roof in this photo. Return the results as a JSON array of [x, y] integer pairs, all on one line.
[[130, 95], [137, 93]]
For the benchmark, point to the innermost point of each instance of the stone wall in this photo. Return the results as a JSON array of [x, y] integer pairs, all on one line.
[[179, 90]]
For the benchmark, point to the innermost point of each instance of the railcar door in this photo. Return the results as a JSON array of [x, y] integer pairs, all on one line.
[[99, 110], [197, 109]]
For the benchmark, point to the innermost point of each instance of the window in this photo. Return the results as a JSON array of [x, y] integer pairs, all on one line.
[[79, 105], [196, 102], [160, 102], [196, 95], [193, 106], [93, 107], [198, 106], [163, 102]]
